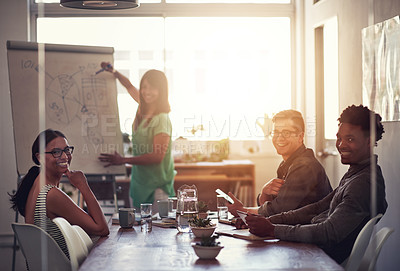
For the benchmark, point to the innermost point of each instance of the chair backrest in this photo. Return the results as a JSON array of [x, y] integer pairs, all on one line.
[[40, 250], [84, 236], [374, 248], [360, 245], [76, 245]]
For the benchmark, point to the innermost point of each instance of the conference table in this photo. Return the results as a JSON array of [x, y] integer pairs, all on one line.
[[167, 249]]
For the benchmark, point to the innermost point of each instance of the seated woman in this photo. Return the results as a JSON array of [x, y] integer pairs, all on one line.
[[39, 199]]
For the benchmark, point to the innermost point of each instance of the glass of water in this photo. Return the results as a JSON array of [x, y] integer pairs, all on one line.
[[222, 208], [145, 215], [172, 202]]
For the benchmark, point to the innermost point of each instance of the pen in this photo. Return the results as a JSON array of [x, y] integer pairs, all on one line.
[[103, 69]]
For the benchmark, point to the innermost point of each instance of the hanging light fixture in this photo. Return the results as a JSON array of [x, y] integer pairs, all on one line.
[[98, 4]]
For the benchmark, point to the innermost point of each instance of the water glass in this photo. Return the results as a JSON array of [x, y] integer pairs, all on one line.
[[222, 208], [172, 201], [145, 215]]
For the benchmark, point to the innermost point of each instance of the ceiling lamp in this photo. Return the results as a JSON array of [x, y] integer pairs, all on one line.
[[98, 4]]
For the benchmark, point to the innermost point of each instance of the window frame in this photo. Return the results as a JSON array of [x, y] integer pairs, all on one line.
[[169, 10]]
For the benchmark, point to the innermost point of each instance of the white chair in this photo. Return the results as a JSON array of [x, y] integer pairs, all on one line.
[[77, 247], [40, 250], [360, 245], [85, 237], [374, 248]]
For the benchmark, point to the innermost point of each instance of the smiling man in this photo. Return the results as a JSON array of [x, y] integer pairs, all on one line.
[[301, 179], [334, 222]]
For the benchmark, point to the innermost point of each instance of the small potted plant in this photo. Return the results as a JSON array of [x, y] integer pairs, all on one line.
[[203, 209], [202, 227], [208, 247]]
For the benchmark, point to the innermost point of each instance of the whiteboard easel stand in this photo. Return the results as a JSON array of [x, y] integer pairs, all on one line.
[[103, 178]]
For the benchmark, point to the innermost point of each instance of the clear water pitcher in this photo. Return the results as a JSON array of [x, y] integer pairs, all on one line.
[[187, 207]]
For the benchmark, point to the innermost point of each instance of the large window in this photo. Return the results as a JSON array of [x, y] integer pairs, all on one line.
[[225, 73], [331, 78]]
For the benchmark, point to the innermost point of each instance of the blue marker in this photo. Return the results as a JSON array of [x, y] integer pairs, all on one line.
[[103, 69]]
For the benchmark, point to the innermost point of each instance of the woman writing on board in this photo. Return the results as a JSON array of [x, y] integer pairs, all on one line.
[[39, 199], [153, 173]]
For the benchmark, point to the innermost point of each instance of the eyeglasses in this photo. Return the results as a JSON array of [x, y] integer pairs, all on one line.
[[58, 152], [284, 133]]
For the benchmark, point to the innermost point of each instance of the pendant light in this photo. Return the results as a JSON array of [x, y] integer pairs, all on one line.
[[100, 4]]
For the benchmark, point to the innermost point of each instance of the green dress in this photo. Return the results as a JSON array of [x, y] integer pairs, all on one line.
[[145, 179]]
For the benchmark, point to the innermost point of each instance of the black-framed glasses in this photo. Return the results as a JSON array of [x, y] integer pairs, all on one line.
[[284, 133], [58, 152]]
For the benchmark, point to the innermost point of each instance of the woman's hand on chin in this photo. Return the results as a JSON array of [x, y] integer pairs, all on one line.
[[76, 177]]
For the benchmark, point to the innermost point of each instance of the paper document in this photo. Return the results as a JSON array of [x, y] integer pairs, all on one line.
[[165, 223]]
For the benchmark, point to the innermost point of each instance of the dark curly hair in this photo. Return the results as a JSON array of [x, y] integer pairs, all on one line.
[[361, 116]]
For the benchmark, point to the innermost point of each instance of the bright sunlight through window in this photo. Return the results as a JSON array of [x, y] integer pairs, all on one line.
[[224, 73], [331, 81]]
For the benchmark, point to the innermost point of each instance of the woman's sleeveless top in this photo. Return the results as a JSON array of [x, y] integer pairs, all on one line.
[[41, 220]]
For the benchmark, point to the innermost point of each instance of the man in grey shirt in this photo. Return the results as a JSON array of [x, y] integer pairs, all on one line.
[[301, 179], [334, 222]]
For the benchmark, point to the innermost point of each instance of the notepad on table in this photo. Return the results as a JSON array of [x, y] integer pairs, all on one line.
[[227, 221], [165, 223]]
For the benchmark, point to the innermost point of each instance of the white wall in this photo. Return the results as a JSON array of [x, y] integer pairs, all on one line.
[[13, 26], [389, 161], [389, 158]]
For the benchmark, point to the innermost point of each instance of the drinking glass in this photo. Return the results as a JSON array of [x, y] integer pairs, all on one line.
[[145, 215], [172, 202], [222, 208]]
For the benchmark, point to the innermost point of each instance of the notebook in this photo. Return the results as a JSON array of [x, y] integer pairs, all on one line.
[[165, 223], [227, 221]]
